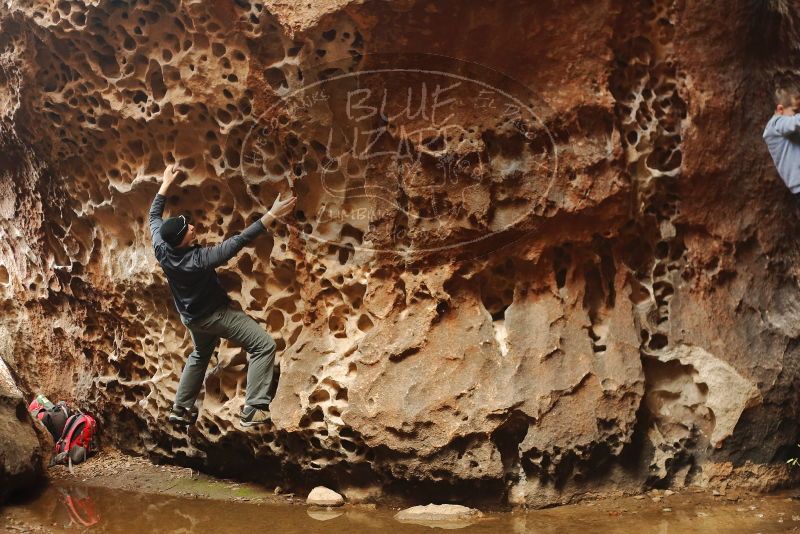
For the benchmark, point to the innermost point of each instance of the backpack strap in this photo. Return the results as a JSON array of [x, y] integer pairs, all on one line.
[[66, 435]]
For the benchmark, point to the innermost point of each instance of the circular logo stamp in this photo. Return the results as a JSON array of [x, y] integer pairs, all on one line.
[[408, 154]]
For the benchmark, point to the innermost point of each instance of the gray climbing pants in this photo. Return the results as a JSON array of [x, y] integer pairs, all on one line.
[[229, 323]]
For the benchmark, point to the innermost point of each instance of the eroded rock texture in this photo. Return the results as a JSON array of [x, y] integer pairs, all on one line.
[[22, 444], [603, 298]]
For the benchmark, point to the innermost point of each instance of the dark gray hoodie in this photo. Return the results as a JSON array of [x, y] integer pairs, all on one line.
[[191, 270]]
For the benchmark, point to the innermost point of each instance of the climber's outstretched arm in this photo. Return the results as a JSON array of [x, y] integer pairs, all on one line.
[[211, 257], [157, 207]]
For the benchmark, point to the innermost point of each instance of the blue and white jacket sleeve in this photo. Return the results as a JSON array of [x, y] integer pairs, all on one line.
[[787, 125]]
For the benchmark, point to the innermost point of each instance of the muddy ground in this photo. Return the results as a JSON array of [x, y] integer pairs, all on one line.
[[115, 470]]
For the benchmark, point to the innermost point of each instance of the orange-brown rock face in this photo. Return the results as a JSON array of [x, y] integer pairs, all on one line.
[[539, 247]]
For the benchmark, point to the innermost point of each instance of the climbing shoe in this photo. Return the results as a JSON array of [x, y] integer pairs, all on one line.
[[182, 416], [251, 416]]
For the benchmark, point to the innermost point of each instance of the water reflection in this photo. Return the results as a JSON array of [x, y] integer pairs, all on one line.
[[323, 514], [76, 508], [79, 506]]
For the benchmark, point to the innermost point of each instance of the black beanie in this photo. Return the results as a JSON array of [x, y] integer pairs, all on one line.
[[174, 229]]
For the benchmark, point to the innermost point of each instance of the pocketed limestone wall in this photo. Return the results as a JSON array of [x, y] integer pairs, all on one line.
[[539, 247]]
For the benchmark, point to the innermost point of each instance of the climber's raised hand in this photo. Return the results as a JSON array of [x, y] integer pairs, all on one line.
[[283, 207], [170, 174], [280, 208]]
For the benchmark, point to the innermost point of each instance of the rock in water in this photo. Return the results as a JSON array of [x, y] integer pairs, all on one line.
[[433, 513], [322, 496]]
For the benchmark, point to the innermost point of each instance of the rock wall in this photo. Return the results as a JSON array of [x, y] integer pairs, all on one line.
[[22, 453], [539, 248]]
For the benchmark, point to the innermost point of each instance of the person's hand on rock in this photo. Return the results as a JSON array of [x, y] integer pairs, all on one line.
[[280, 208], [171, 173]]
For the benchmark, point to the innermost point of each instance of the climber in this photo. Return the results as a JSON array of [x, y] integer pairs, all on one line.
[[205, 309], [782, 136]]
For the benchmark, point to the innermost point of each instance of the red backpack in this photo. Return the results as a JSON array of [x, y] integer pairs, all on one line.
[[78, 440], [53, 418]]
